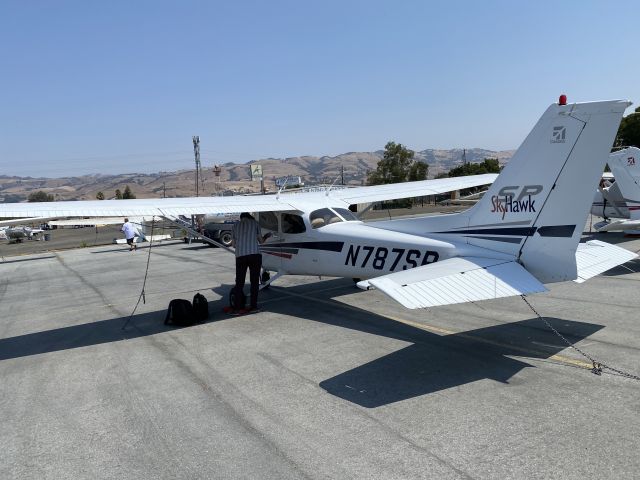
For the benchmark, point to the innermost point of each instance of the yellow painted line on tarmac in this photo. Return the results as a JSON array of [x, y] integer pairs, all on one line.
[[443, 331]]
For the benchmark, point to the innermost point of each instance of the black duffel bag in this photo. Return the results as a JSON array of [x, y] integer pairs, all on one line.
[[180, 312]]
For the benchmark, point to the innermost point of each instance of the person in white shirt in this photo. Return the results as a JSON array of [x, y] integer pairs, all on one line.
[[129, 233]]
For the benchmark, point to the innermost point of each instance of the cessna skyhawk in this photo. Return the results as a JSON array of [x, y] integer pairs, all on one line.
[[525, 231], [620, 200]]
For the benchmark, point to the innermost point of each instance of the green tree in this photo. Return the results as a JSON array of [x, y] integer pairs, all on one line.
[[127, 194], [118, 194], [100, 196], [629, 131], [418, 171], [40, 196], [397, 166], [488, 165]]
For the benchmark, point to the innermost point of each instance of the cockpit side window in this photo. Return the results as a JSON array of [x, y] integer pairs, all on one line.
[[292, 223], [268, 221], [346, 214], [324, 216]]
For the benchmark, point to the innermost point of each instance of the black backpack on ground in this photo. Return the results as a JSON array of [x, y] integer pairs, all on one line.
[[180, 312], [200, 307]]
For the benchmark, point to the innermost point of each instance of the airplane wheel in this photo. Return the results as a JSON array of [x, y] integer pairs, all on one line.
[[237, 301], [264, 278]]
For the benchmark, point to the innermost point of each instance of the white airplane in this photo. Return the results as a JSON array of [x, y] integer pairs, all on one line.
[[20, 233], [15, 231], [524, 232], [620, 199]]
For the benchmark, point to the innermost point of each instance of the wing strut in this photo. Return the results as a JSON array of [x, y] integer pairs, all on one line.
[[187, 226]]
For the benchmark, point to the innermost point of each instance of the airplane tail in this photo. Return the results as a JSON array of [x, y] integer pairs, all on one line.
[[625, 166], [537, 207]]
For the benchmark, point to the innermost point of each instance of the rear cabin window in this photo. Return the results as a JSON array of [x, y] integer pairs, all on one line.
[[346, 214], [324, 216], [292, 223], [268, 221]]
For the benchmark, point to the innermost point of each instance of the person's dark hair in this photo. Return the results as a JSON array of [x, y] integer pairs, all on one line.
[[126, 219], [245, 215]]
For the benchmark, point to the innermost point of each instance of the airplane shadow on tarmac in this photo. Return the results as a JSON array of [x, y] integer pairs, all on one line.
[[431, 363], [434, 362], [83, 335]]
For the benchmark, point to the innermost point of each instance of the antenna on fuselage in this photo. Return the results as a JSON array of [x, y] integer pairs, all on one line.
[[331, 186], [281, 188]]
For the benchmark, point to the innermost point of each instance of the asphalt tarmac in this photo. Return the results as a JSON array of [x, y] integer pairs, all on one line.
[[327, 382]]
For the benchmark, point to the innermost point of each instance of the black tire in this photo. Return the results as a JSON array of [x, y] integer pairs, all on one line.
[[235, 302], [226, 238], [264, 278]]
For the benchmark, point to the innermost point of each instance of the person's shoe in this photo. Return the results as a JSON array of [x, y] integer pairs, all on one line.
[[255, 310], [242, 311]]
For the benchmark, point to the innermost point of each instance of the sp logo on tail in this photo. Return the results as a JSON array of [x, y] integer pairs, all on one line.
[[509, 200]]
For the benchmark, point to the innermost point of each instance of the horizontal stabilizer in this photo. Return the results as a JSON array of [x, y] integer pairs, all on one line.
[[456, 280], [617, 226], [595, 257]]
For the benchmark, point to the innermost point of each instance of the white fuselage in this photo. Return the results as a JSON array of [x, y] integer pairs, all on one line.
[[356, 250]]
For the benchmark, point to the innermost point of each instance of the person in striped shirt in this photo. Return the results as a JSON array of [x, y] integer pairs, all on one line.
[[246, 240]]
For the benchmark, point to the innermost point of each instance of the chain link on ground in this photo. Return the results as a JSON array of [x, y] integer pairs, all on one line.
[[597, 366]]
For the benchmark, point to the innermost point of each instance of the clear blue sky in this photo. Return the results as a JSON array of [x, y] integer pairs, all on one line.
[[121, 86]]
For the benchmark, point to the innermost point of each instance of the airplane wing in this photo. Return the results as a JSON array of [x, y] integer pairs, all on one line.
[[168, 207], [595, 257], [456, 280], [23, 221], [93, 221], [148, 207], [393, 191]]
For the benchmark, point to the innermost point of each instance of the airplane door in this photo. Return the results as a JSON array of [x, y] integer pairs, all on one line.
[[271, 250]]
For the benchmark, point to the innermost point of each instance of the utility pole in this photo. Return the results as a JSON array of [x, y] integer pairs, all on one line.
[[196, 152], [164, 190], [464, 156], [342, 173], [216, 172]]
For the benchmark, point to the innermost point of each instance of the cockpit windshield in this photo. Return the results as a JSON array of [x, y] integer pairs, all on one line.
[[325, 216]]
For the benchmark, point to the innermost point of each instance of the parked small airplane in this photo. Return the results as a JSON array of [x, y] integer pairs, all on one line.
[[15, 231], [620, 199], [19, 233], [525, 231]]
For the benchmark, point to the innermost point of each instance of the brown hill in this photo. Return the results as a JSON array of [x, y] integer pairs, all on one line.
[[233, 177]]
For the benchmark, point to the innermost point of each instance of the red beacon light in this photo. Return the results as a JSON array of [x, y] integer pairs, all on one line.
[[562, 100]]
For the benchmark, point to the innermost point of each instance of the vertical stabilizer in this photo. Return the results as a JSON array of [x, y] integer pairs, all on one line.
[[537, 207], [625, 166]]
